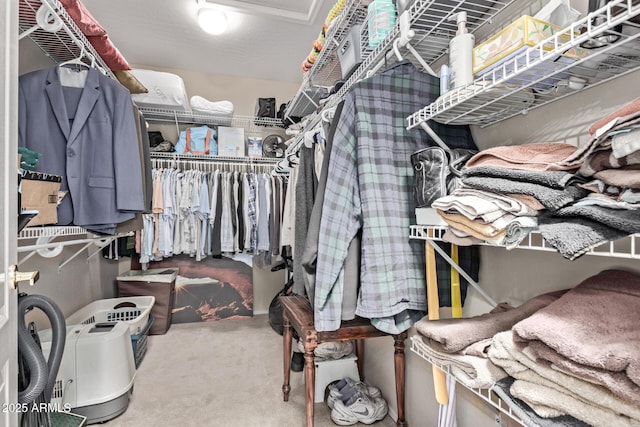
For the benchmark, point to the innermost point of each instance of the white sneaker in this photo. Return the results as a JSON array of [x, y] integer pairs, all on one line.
[[359, 408], [341, 388]]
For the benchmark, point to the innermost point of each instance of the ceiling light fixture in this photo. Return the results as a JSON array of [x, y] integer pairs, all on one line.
[[212, 19]]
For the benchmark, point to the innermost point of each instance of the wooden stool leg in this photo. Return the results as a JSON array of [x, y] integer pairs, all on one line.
[[360, 356], [399, 367], [287, 336], [310, 344]]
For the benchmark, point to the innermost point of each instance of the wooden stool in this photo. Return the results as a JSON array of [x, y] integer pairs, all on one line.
[[297, 314]]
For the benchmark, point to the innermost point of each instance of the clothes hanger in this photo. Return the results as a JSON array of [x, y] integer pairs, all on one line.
[[78, 62]]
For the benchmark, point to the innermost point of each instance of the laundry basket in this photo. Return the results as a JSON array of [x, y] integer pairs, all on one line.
[[132, 310], [158, 282]]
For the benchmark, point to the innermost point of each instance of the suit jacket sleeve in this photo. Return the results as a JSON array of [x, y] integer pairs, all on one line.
[[126, 155]]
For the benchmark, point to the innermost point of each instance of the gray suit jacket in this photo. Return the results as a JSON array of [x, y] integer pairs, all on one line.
[[97, 156]]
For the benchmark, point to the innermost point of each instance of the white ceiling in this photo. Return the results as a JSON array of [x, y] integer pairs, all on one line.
[[264, 41]]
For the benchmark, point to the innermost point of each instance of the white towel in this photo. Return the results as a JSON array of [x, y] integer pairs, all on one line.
[[588, 402]]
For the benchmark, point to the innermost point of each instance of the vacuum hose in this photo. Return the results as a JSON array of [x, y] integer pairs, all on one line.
[[43, 373]]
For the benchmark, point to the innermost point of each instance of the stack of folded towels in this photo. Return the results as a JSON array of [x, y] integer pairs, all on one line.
[[568, 357]]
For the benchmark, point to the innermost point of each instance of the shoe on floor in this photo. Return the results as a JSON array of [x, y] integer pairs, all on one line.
[[330, 349], [340, 389], [359, 408], [297, 362]]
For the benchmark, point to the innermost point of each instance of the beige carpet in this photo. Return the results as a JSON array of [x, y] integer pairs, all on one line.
[[222, 373]]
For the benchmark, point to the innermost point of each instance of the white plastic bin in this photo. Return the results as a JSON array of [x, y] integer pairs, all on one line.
[[132, 310]]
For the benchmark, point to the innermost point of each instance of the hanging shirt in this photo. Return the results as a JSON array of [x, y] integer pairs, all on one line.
[[370, 188]]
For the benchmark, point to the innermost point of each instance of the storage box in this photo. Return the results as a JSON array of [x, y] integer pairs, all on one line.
[[158, 282], [40, 192], [524, 33], [231, 142]]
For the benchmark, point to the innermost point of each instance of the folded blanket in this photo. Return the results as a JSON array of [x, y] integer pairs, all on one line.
[[457, 334], [630, 108], [224, 108], [535, 156], [577, 237], [563, 394], [551, 198], [594, 324], [528, 415], [617, 382], [472, 371]]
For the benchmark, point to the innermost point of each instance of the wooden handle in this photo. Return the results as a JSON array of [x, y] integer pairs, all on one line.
[[456, 298], [433, 305]]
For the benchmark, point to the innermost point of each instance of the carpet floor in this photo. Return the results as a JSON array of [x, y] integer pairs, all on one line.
[[224, 373]]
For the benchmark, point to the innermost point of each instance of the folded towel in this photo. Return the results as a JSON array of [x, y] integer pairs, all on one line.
[[530, 201], [551, 198], [539, 397], [535, 156], [528, 415], [563, 393], [604, 159], [477, 204], [594, 324], [618, 383], [577, 158], [620, 219], [625, 143], [518, 229], [472, 371], [486, 232], [577, 237], [552, 179], [627, 177], [626, 110], [457, 334]]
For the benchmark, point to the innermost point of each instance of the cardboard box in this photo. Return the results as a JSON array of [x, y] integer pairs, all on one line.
[[41, 193], [525, 32], [231, 142]]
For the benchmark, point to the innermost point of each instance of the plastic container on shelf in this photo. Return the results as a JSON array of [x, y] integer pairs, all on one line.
[[381, 17]]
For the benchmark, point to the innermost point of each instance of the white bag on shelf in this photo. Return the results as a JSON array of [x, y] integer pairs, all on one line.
[[558, 12]]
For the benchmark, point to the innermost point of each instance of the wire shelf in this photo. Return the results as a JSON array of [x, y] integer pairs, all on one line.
[[51, 231], [626, 247], [485, 394], [544, 74], [63, 45], [202, 158], [189, 117]]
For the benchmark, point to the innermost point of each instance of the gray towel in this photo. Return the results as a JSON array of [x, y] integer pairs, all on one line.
[[552, 198], [551, 179], [619, 219], [457, 334], [574, 239]]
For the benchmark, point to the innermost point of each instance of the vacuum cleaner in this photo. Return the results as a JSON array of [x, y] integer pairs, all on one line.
[[37, 376]]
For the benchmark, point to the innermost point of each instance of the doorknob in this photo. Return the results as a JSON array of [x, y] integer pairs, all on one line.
[[16, 277]]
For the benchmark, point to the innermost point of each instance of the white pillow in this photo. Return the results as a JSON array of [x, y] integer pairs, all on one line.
[[166, 90], [219, 107]]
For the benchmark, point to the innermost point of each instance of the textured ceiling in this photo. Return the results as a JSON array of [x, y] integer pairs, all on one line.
[[165, 33]]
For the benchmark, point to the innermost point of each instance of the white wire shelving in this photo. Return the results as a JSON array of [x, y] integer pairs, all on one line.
[[326, 68], [422, 34], [485, 394], [627, 247], [249, 123], [59, 38], [544, 74]]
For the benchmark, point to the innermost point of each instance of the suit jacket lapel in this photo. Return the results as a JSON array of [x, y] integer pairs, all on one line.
[[56, 99], [88, 99]]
